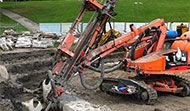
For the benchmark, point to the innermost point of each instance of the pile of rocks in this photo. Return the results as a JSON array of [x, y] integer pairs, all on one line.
[[10, 39]]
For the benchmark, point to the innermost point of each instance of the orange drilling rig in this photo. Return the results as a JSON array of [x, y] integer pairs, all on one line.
[[144, 54]]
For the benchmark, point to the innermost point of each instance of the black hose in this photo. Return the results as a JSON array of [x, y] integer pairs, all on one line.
[[158, 33], [132, 53], [97, 85], [143, 34], [106, 70]]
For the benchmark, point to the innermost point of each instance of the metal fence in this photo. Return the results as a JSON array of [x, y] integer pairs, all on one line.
[[59, 28]]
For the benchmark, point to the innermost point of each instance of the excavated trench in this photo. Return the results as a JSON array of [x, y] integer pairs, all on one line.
[[27, 69]]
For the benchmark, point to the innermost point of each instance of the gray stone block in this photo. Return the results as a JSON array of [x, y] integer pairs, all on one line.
[[4, 75]]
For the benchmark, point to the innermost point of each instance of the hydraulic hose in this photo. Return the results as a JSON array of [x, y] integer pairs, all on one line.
[[131, 54], [106, 70], [83, 81], [143, 34], [158, 33]]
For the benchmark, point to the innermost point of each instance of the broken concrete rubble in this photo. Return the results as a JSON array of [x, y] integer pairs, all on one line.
[[43, 43], [4, 76], [73, 103], [6, 44], [36, 36], [49, 35], [23, 42], [26, 40], [30, 105], [9, 32], [60, 39], [69, 102], [38, 44], [26, 33]]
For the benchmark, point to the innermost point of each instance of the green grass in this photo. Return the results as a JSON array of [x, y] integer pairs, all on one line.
[[67, 10], [170, 10], [6, 21]]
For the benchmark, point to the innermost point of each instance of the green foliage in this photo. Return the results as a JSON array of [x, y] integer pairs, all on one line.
[[6, 21], [56, 45]]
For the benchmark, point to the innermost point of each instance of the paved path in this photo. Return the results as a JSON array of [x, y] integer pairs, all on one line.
[[22, 20]]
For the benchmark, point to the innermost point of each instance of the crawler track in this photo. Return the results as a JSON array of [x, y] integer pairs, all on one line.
[[108, 84]]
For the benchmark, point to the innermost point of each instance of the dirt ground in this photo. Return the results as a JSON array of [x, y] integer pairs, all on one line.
[[165, 102], [28, 69]]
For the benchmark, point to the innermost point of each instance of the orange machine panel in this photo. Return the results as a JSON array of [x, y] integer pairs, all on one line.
[[139, 50], [151, 62], [187, 48], [183, 45]]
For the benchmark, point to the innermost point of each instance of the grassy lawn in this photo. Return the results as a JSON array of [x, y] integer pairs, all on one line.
[[6, 21], [67, 10]]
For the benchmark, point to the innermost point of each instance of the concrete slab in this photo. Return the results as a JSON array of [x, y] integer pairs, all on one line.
[[73, 103]]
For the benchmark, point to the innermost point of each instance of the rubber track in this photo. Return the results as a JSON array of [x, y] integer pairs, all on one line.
[[151, 92]]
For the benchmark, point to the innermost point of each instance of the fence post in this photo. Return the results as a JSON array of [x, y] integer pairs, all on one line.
[[61, 28], [113, 25], [17, 27], [16, 3], [81, 26], [125, 26]]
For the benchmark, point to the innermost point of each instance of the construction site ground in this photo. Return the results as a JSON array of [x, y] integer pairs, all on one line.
[[28, 68], [166, 101]]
